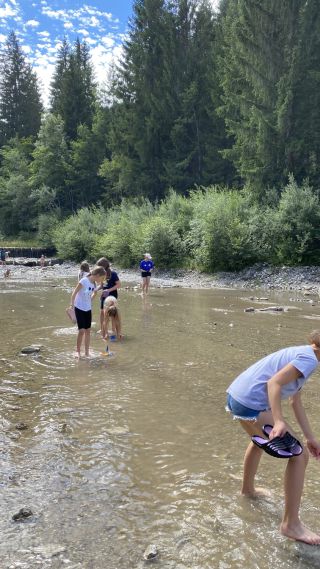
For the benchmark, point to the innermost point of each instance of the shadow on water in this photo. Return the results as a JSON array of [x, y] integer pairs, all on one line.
[[114, 454]]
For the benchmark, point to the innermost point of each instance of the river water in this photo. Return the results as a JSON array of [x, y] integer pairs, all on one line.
[[136, 449]]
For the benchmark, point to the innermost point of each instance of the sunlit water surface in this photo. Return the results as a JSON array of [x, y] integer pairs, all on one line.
[[137, 449]]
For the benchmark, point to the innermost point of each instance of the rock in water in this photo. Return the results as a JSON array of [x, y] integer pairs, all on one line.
[[22, 514], [31, 349], [150, 553]]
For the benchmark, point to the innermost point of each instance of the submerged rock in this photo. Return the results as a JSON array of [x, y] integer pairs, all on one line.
[[151, 552], [21, 426], [31, 349], [22, 514]]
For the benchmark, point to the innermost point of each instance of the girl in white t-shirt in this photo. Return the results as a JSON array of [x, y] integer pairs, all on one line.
[[254, 398], [81, 302]]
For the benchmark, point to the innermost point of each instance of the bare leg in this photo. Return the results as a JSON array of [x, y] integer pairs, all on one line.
[[79, 341], [87, 341], [291, 525], [253, 455], [144, 284], [101, 320], [147, 284]]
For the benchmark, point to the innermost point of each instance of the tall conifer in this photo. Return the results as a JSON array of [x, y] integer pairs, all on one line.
[[20, 104]]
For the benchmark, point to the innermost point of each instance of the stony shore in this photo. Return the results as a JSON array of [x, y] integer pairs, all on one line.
[[256, 277]]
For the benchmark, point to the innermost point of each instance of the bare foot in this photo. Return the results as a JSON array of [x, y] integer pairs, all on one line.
[[299, 532], [257, 493]]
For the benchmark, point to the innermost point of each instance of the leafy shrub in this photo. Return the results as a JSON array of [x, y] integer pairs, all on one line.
[[164, 243], [298, 219], [227, 232], [75, 237], [123, 241], [47, 223]]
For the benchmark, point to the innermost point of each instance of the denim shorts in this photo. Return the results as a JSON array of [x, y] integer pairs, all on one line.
[[239, 411]]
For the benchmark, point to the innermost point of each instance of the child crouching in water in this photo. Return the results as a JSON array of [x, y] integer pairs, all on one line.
[[111, 314], [254, 398]]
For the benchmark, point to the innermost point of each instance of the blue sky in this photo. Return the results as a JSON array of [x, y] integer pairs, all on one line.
[[41, 25]]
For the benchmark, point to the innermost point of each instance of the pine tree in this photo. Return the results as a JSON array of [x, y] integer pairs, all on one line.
[[73, 88], [86, 156], [20, 105], [256, 69], [16, 203], [50, 166]]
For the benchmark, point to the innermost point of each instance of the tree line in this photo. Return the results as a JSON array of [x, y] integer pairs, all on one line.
[[199, 99]]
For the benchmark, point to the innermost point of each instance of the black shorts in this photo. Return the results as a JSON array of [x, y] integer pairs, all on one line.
[[145, 274], [84, 318]]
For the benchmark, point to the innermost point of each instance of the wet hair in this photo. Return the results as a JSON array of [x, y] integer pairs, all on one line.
[[97, 272], [85, 267], [105, 263], [314, 338]]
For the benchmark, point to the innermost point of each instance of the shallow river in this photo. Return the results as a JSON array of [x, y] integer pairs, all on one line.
[[136, 449]]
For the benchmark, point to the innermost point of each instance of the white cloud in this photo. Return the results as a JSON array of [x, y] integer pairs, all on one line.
[[26, 49], [91, 41], [83, 32], [107, 41], [3, 38], [44, 34], [68, 25], [9, 10], [32, 23]]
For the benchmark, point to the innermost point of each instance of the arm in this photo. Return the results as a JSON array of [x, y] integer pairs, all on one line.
[[285, 375], [301, 416], [74, 294], [117, 284]]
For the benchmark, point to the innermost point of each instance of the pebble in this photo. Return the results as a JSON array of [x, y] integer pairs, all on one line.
[[22, 514], [151, 552]]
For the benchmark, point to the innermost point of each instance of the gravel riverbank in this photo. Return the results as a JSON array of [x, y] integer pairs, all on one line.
[[258, 276]]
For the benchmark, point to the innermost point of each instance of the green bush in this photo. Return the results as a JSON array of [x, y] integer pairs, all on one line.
[[47, 223], [76, 237], [123, 240], [164, 243], [298, 219], [227, 232]]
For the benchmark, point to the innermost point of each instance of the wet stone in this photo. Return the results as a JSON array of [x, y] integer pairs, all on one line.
[[31, 349], [22, 514], [151, 552], [21, 426]]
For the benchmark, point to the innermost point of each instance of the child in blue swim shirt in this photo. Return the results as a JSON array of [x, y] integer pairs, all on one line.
[[254, 398], [146, 267]]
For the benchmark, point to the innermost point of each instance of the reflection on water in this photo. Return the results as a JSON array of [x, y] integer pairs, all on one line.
[[118, 453]]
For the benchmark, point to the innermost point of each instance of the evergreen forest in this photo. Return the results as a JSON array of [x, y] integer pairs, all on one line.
[[204, 148]]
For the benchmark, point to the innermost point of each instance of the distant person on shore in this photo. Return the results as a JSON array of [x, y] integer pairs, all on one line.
[[42, 261], [146, 267], [254, 398], [109, 287], [6, 273], [81, 301], [111, 314], [2, 257], [84, 270]]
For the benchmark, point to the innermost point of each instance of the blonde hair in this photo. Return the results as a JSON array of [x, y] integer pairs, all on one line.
[[314, 338], [112, 311]]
